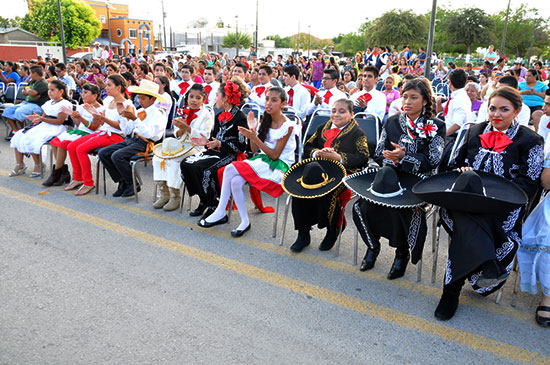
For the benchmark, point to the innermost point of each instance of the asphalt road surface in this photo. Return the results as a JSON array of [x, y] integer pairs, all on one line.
[[98, 279]]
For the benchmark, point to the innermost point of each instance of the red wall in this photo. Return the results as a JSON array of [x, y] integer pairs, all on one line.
[[17, 53]]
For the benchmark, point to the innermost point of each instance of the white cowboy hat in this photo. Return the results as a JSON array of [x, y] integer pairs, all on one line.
[[147, 87], [172, 148]]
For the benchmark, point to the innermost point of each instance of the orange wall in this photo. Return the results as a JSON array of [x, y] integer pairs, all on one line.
[[100, 9], [17, 53], [124, 25]]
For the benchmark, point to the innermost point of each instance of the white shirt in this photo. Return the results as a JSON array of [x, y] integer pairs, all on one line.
[[459, 108], [178, 89], [257, 96], [543, 126], [202, 124], [523, 116], [52, 109], [112, 114], [300, 99], [395, 107], [151, 127], [69, 81], [376, 105], [211, 97], [325, 108]]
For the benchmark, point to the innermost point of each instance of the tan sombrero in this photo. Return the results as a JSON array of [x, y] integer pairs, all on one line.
[[147, 87], [172, 148]]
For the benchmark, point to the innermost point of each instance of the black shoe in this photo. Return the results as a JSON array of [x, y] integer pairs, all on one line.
[[200, 209], [9, 136], [129, 191], [64, 177], [303, 240], [120, 190], [399, 265], [208, 212], [328, 242], [369, 259], [447, 306], [240, 232], [203, 223], [56, 173]]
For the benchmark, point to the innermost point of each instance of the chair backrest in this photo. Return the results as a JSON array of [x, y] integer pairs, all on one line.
[[370, 124], [314, 123], [11, 92], [436, 82], [443, 88], [20, 88], [172, 113], [380, 85], [248, 107], [459, 141]]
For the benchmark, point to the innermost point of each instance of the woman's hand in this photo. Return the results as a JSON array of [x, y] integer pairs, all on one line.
[[128, 112], [97, 118], [247, 133], [213, 144], [34, 118], [252, 121], [329, 153], [75, 114], [396, 155], [90, 108], [465, 168], [199, 141], [181, 124]]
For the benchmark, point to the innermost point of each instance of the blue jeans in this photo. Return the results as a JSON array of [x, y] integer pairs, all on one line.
[[21, 111]]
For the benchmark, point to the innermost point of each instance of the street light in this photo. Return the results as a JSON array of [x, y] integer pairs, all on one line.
[[505, 28], [256, 38], [61, 33], [428, 62], [532, 39], [237, 35]]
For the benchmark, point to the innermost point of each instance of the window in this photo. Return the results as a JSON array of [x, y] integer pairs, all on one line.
[[119, 32], [132, 33], [103, 19]]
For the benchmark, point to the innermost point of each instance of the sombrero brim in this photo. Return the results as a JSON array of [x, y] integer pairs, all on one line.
[[186, 147], [138, 90], [501, 194], [333, 169], [361, 182]]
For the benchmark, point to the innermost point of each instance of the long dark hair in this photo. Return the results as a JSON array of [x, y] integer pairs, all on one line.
[[60, 85], [94, 89], [118, 81], [265, 125], [423, 87], [166, 83]]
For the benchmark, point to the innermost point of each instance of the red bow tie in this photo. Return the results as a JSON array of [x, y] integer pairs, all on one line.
[[331, 135], [496, 141], [366, 97], [259, 90], [327, 96], [446, 110], [207, 90], [183, 87], [191, 114], [291, 97], [225, 117]]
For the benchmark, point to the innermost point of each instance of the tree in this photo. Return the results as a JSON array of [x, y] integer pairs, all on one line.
[[398, 27], [230, 40], [10, 23], [468, 26], [280, 42], [219, 23], [349, 43], [80, 23]]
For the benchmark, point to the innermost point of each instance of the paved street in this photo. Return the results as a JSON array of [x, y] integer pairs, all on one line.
[[98, 279]]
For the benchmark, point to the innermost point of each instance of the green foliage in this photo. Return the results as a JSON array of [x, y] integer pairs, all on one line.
[[397, 28], [280, 42], [349, 43], [10, 23], [219, 23], [80, 24], [467, 26], [230, 40]]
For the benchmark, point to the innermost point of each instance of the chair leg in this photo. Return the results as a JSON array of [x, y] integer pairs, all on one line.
[[134, 179], [97, 176], [275, 218], [285, 216], [516, 283], [434, 226], [230, 210], [182, 195], [355, 244], [436, 251], [419, 271], [40, 161], [104, 180], [342, 211]]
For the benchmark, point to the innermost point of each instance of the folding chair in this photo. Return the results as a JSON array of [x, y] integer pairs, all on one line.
[[248, 107]]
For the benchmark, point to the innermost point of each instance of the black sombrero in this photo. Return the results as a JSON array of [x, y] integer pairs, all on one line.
[[313, 178], [471, 191], [385, 186]]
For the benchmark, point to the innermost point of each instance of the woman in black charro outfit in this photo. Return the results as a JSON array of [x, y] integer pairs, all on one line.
[[411, 142], [199, 172]]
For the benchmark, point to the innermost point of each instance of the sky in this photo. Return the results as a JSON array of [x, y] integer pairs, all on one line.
[[285, 17]]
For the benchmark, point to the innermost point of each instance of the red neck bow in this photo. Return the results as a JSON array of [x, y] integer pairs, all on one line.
[[496, 141], [367, 97], [232, 92], [291, 97], [446, 110], [191, 114], [327, 96], [330, 135], [207, 89], [225, 117], [259, 90], [183, 87]]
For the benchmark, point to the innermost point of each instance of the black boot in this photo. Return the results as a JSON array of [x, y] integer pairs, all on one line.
[[120, 190], [53, 177], [302, 241], [370, 257], [64, 177], [399, 264], [447, 306], [129, 191], [330, 239], [200, 209]]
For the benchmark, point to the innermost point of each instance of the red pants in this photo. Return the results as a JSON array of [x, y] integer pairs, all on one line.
[[79, 150], [61, 144]]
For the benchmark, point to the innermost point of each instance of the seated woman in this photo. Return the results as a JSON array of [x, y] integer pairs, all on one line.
[[473, 93], [83, 120], [107, 134], [340, 139], [195, 121], [142, 129], [277, 144], [44, 127], [200, 171], [503, 147], [534, 250], [411, 142]]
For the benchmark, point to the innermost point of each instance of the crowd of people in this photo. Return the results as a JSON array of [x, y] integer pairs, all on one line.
[[185, 113]]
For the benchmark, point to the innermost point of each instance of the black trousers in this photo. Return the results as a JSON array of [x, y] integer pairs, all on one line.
[[116, 158]]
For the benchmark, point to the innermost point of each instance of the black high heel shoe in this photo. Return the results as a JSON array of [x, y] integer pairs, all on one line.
[[240, 232]]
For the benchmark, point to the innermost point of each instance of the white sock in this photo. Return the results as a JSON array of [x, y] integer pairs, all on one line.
[[228, 174], [238, 197]]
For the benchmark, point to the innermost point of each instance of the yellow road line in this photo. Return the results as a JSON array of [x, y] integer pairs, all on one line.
[[405, 320], [473, 301]]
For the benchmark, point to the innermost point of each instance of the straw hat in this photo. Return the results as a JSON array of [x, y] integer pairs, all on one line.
[[147, 87], [172, 148]]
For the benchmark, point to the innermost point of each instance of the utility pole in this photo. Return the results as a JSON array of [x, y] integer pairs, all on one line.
[[428, 63], [308, 40], [62, 35], [108, 6], [236, 36], [505, 29], [164, 24], [256, 37]]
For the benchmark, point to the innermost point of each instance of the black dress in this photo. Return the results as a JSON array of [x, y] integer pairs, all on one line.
[[200, 172], [351, 144], [405, 229], [481, 238]]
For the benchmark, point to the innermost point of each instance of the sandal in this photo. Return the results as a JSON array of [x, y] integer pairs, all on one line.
[[18, 172], [542, 321], [73, 185], [36, 173], [84, 189]]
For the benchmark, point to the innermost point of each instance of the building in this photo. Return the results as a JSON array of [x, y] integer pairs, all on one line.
[[127, 34], [17, 44]]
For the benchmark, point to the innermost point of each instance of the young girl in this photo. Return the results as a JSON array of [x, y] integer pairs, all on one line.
[[83, 120], [195, 120], [390, 92], [44, 127], [276, 142]]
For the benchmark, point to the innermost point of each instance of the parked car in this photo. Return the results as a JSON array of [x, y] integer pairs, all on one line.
[[80, 56]]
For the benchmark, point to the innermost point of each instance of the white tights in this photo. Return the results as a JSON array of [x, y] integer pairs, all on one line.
[[232, 185]]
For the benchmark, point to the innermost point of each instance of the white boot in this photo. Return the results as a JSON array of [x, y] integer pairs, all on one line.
[[174, 202], [163, 195]]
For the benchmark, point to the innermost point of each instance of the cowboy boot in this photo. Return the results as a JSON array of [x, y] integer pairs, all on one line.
[[53, 177], [64, 177], [163, 197], [174, 202], [399, 264]]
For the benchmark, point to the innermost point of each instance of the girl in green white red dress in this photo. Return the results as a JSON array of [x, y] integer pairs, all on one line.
[[276, 143]]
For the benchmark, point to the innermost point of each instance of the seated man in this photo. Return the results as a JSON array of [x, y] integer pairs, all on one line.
[[298, 96], [375, 102], [259, 92], [210, 86], [323, 100], [186, 83], [141, 130]]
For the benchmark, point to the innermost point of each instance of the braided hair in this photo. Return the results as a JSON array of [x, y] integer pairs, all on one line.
[[422, 85]]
